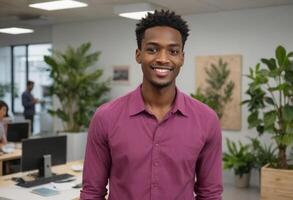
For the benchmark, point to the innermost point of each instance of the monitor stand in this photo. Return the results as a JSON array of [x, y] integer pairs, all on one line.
[[45, 169], [45, 174]]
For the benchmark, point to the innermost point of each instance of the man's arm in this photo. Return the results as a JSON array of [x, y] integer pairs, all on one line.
[[97, 163], [209, 184]]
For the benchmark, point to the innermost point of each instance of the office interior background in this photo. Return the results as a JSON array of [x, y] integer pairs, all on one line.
[[252, 29]]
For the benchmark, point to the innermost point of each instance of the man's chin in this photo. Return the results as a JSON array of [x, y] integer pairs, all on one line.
[[161, 85]]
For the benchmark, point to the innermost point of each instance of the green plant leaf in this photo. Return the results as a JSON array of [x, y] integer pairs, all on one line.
[[270, 119], [288, 113], [284, 139], [253, 120], [271, 63], [269, 100], [289, 76], [280, 55]]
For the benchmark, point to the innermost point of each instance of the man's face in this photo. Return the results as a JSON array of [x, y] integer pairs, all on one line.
[[160, 56], [30, 87]]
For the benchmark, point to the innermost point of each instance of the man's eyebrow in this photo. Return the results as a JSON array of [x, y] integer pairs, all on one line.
[[157, 44], [152, 43]]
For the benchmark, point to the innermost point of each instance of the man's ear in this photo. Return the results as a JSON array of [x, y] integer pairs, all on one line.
[[182, 59], [138, 56]]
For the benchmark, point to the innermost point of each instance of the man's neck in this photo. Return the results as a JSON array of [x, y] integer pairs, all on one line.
[[158, 101]]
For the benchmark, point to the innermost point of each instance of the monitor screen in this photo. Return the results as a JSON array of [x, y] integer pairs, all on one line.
[[34, 149], [16, 131]]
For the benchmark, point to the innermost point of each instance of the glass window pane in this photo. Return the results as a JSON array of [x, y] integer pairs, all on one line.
[[40, 75], [5, 75], [19, 73], [38, 70]]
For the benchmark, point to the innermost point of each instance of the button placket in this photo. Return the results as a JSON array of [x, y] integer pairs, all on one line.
[[155, 162]]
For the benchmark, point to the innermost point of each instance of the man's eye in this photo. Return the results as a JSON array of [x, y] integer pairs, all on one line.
[[174, 52], [151, 50]]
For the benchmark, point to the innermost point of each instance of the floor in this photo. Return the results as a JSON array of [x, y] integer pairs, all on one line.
[[233, 193]]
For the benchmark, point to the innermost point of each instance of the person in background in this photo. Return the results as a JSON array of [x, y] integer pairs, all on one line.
[[155, 143], [3, 114], [29, 103]]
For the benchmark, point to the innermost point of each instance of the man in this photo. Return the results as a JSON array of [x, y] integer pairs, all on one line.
[[29, 102], [155, 143]]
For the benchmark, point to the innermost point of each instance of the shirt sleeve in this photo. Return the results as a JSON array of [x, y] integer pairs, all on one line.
[[209, 184], [97, 162]]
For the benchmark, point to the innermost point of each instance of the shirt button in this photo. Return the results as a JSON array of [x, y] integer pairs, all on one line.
[[156, 164], [157, 144]]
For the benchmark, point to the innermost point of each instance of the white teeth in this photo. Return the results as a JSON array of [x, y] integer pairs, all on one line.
[[162, 70]]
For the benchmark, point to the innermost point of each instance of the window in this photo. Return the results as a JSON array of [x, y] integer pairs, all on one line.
[[5, 75], [26, 62]]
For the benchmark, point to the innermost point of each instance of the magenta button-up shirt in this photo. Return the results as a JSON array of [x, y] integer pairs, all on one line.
[[178, 158]]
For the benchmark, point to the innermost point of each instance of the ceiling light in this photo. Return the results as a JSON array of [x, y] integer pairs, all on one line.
[[58, 5], [15, 30], [134, 11], [135, 15]]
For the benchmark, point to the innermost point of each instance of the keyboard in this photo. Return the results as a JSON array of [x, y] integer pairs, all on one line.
[[42, 181]]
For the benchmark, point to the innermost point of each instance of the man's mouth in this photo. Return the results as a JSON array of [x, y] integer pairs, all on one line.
[[161, 70]]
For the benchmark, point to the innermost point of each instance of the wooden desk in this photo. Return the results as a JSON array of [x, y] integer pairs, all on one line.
[[9, 156], [8, 187]]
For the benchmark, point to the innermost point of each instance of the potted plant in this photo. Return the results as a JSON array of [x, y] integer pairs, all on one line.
[[78, 88], [241, 160], [270, 106], [264, 155]]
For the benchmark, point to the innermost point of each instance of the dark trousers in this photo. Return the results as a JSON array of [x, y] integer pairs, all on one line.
[[31, 118]]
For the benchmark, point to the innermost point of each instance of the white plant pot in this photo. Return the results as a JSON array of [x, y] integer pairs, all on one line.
[[242, 181], [76, 144]]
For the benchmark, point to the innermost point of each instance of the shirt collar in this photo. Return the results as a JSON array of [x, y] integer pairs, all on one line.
[[179, 104], [137, 104]]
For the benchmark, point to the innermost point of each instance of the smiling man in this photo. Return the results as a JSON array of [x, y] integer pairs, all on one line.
[[155, 143]]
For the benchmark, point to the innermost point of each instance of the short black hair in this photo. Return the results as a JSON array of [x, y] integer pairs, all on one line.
[[161, 18], [29, 83], [3, 104]]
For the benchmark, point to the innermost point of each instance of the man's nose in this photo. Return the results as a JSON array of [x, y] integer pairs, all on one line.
[[162, 57]]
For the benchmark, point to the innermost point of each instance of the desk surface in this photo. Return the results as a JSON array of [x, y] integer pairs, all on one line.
[[11, 156], [8, 189]]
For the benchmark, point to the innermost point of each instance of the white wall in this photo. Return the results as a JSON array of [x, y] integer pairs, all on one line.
[[252, 33]]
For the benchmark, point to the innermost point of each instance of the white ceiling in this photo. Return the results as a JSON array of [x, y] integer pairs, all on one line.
[[17, 12]]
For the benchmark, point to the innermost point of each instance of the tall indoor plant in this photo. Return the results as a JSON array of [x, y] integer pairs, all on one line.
[[270, 101], [76, 85], [270, 105]]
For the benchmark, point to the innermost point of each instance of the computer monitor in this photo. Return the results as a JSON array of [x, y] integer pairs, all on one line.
[[17, 131], [34, 150]]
